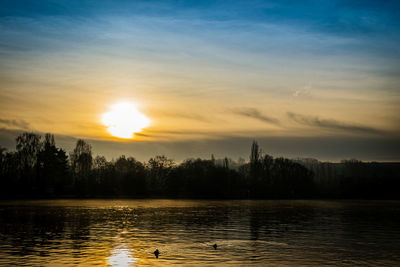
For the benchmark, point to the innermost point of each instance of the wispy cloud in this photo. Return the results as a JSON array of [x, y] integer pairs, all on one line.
[[256, 114], [183, 115], [331, 124], [304, 91], [17, 124]]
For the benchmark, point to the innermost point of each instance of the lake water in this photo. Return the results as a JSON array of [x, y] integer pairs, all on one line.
[[260, 233]]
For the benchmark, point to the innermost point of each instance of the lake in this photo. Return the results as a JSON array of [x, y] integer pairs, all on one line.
[[259, 233]]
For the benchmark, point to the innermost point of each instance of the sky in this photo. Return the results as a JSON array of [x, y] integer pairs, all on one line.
[[314, 79]]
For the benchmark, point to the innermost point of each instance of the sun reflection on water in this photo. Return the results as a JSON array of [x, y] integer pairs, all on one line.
[[121, 256]]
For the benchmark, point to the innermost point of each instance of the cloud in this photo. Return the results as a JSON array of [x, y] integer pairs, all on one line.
[[306, 91], [256, 114], [331, 124], [18, 124], [185, 115], [142, 134]]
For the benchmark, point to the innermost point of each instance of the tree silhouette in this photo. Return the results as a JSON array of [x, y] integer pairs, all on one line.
[[159, 170], [38, 169], [28, 146], [52, 168], [81, 161]]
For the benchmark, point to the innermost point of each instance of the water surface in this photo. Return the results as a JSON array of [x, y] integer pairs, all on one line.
[[267, 233]]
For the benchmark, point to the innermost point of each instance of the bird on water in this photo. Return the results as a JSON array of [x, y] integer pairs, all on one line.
[[156, 252], [215, 246]]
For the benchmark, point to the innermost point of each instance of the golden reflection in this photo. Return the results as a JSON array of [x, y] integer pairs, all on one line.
[[121, 256]]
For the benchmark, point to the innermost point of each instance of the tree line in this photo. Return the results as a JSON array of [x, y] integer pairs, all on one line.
[[40, 169]]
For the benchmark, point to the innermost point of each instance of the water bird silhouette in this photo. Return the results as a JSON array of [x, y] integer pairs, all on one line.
[[157, 252], [215, 246]]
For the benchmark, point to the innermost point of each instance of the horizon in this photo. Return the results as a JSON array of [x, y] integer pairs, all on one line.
[[68, 144]]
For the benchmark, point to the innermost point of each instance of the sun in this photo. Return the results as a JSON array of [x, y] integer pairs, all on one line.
[[124, 119]]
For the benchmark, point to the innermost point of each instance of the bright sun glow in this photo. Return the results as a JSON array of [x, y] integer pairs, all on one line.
[[121, 257], [123, 120]]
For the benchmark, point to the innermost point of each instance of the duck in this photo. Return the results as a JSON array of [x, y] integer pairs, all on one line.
[[157, 252]]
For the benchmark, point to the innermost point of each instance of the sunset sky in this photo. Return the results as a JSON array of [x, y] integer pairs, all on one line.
[[305, 78]]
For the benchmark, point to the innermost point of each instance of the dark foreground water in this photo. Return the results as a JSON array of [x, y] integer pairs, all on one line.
[[267, 233]]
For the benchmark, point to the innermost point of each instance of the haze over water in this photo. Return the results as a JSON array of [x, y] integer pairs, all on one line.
[[267, 233]]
